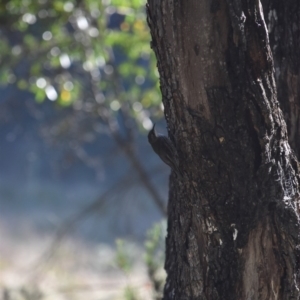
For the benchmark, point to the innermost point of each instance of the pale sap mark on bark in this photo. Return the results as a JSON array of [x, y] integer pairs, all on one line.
[[261, 12], [274, 292], [222, 140], [287, 148], [235, 234], [235, 231], [210, 227]]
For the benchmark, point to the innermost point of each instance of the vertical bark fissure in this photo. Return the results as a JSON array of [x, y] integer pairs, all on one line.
[[233, 219]]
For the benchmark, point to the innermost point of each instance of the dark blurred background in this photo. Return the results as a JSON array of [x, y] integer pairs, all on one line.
[[82, 195]]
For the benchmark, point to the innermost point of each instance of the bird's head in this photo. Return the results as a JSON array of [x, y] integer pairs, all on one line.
[[152, 135]]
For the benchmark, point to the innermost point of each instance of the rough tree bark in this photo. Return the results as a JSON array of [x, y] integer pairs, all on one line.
[[283, 22], [233, 220]]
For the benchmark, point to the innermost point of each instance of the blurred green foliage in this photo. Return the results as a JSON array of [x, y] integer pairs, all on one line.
[[155, 257], [78, 51], [123, 260]]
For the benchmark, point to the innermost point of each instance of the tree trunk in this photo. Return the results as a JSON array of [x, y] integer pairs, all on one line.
[[283, 23], [233, 220]]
